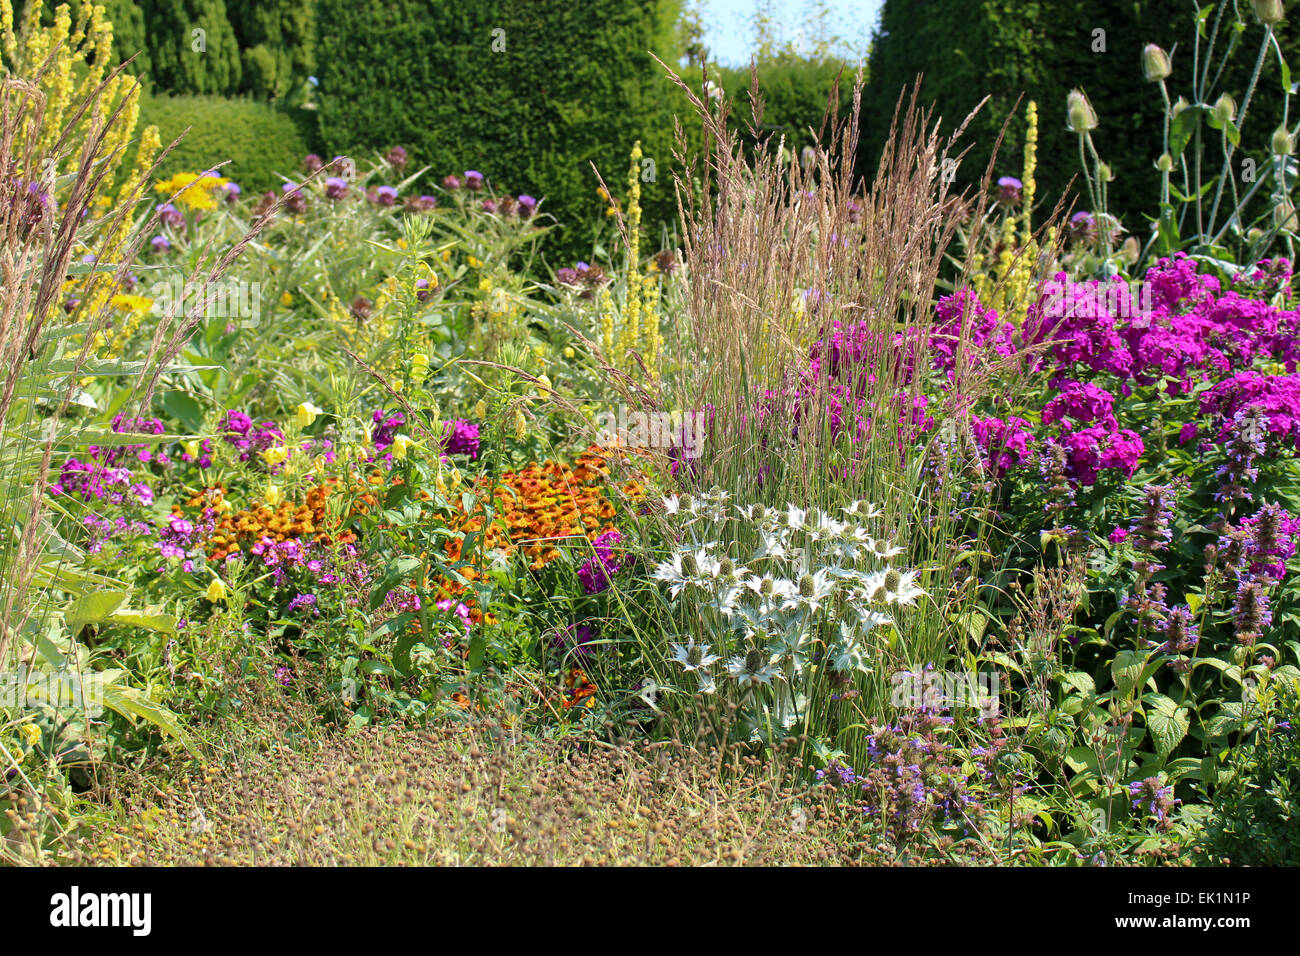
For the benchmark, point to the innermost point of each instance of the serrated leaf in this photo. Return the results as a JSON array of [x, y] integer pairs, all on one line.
[[1126, 671]]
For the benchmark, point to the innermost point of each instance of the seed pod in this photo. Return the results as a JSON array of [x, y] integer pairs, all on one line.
[[1283, 144], [1155, 63], [1268, 11], [1225, 109], [1079, 112]]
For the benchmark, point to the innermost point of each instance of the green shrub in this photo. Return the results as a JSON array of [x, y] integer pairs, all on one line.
[[531, 94], [1255, 819], [260, 140]]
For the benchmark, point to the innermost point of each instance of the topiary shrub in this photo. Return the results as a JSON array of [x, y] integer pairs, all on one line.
[[260, 140], [528, 93]]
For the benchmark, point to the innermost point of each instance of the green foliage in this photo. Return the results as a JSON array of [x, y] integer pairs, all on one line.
[[192, 46], [1255, 818], [457, 100], [260, 140]]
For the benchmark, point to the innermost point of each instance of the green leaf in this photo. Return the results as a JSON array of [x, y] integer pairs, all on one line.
[[184, 408], [133, 703], [1126, 671], [93, 608], [1167, 723]]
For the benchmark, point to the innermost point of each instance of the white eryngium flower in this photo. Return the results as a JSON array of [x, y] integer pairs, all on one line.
[[693, 656], [751, 668]]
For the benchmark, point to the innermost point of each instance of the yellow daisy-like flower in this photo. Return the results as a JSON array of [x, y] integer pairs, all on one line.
[[192, 190], [136, 305]]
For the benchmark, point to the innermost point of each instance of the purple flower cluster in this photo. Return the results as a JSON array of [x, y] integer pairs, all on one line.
[[385, 428], [250, 439], [596, 571], [461, 438], [1004, 444]]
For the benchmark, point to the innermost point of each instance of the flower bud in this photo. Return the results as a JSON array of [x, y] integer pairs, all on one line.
[[1165, 163], [1268, 11], [1283, 144], [1284, 217], [1079, 112], [1225, 109], [1180, 104], [1105, 173], [1155, 63]]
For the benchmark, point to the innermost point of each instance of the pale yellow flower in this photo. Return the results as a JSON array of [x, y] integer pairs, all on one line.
[[217, 591], [305, 414]]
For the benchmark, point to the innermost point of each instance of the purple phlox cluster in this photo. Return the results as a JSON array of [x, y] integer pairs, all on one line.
[[962, 322], [1004, 443], [307, 601], [596, 571], [1277, 397], [385, 428], [249, 438], [462, 617], [460, 437], [281, 556]]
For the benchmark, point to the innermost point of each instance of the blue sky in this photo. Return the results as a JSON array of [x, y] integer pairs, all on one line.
[[729, 30]]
